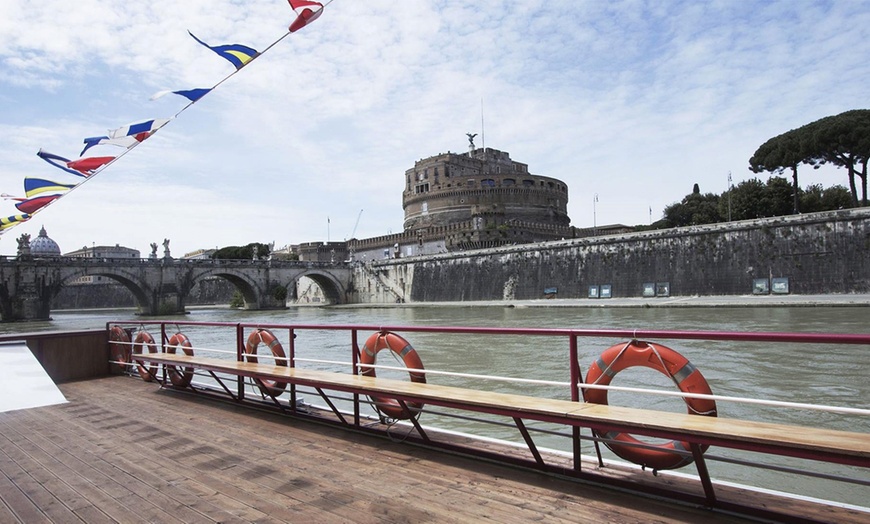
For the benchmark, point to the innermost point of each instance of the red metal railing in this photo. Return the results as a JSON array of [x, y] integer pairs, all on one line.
[[574, 383]]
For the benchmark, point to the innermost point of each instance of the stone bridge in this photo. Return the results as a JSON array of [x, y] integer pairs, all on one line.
[[28, 284]]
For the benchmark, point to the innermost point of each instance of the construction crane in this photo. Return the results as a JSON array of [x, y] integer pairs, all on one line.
[[353, 233]]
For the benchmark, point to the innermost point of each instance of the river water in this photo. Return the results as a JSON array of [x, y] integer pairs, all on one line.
[[818, 374]]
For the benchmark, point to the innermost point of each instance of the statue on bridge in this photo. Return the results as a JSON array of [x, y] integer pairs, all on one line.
[[24, 245], [153, 254], [166, 248]]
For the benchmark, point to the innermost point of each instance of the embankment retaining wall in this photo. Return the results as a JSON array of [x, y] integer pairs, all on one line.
[[818, 253]]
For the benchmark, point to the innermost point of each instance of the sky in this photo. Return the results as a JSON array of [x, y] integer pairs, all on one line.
[[632, 101]]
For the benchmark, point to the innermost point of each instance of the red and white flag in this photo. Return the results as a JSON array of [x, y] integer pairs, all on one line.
[[306, 12]]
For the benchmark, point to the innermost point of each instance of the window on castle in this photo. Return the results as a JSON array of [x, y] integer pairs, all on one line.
[[508, 182], [487, 182], [528, 183]]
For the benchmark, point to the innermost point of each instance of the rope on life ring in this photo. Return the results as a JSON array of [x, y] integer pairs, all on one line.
[[145, 340], [268, 387], [671, 364], [119, 345], [180, 379], [403, 349]]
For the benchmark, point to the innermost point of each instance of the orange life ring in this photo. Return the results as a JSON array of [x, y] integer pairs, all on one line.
[[119, 345], [402, 348], [145, 340], [668, 362], [179, 340], [264, 335]]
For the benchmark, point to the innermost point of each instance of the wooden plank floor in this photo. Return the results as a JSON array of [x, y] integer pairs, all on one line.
[[124, 451]]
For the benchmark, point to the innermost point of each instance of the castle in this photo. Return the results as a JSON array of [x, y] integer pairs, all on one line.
[[463, 201]]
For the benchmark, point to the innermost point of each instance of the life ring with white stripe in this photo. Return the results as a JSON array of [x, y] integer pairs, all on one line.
[[181, 379], [403, 349], [119, 345], [673, 365], [265, 336], [142, 341]]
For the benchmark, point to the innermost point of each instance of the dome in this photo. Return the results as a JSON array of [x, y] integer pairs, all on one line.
[[44, 246]]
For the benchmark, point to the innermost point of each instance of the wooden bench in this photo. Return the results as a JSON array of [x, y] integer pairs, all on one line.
[[805, 442]]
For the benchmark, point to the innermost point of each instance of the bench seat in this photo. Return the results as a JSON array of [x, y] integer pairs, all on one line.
[[809, 442]]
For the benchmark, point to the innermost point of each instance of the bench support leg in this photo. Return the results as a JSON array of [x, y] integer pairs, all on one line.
[[529, 442], [413, 420], [221, 382], [263, 387], [704, 474], [331, 406], [596, 441]]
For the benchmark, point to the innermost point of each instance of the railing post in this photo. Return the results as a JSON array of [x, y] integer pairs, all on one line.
[[575, 397], [291, 362], [354, 358], [240, 344]]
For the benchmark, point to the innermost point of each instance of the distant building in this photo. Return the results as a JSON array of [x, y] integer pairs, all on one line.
[[42, 246], [322, 251], [463, 201], [453, 188], [106, 252], [199, 254], [474, 200], [116, 251]]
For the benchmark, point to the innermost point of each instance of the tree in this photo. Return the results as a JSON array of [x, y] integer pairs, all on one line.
[[745, 200], [844, 141], [694, 209], [778, 197], [782, 152], [242, 252]]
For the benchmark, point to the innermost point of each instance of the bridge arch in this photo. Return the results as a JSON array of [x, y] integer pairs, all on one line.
[[249, 289], [332, 288], [140, 290]]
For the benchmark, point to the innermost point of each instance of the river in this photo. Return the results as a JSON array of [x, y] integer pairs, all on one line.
[[828, 375]]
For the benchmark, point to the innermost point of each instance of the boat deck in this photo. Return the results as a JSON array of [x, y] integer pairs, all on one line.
[[125, 451]]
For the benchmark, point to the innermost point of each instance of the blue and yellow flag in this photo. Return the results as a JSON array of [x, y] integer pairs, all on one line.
[[36, 186], [238, 55], [14, 220]]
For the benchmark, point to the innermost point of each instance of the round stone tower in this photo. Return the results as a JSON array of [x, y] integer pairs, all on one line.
[[484, 199], [452, 187]]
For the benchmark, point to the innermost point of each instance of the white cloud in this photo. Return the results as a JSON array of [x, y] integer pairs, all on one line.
[[635, 101]]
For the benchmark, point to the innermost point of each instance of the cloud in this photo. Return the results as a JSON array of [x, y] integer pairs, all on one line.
[[631, 100]]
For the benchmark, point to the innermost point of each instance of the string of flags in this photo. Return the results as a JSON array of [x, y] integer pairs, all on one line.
[[39, 193]]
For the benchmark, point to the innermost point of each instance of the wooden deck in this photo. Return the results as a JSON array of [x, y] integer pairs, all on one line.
[[125, 451]]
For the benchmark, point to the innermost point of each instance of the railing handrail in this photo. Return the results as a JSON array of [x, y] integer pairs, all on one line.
[[731, 336]]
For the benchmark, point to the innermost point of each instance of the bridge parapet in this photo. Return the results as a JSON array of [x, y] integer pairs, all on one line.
[[28, 285]]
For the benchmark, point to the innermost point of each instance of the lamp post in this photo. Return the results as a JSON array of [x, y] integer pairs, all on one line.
[[729, 196], [594, 215]]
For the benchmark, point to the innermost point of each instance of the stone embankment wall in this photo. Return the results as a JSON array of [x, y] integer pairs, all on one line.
[[818, 253]]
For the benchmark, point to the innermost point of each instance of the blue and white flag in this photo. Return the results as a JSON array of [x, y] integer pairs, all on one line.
[[191, 94]]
